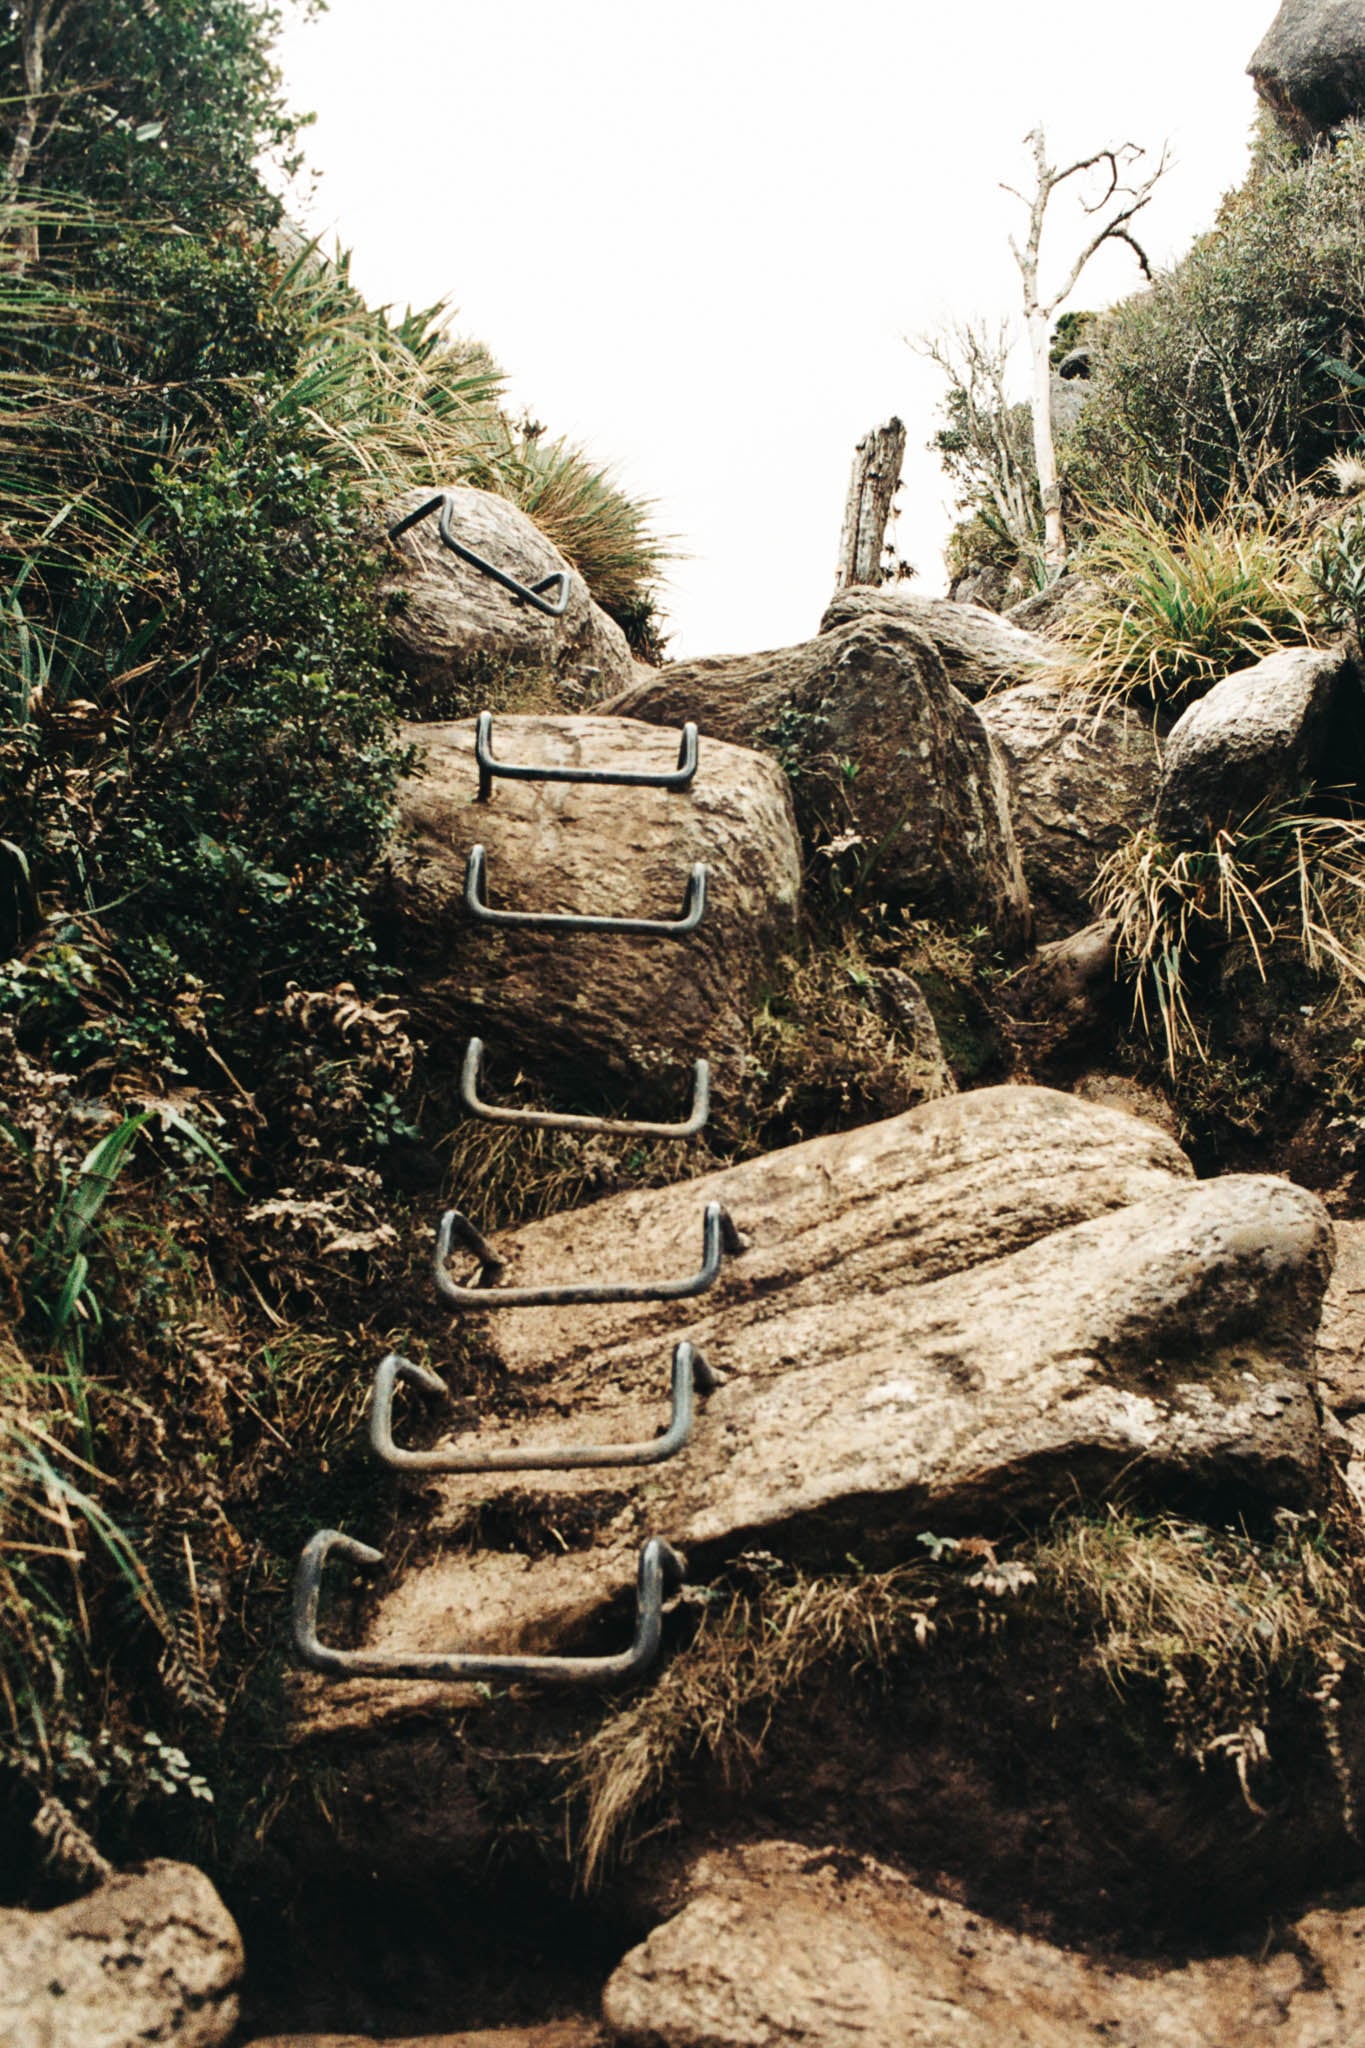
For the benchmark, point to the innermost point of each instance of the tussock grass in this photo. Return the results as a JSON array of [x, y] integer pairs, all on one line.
[[1209, 1630], [1180, 602], [1281, 878], [759, 1646], [1219, 1623]]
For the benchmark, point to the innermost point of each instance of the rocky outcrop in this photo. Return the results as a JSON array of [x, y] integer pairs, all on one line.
[[1259, 738], [986, 1307], [891, 768], [1049, 611], [449, 621], [792, 1948], [1310, 65], [153, 1955], [554, 2034], [593, 1010], [1341, 1335], [1083, 777], [980, 650]]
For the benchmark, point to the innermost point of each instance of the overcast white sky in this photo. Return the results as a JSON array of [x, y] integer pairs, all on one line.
[[696, 236]]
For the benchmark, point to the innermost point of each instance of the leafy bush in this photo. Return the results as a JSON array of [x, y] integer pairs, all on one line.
[[1336, 572], [1216, 380]]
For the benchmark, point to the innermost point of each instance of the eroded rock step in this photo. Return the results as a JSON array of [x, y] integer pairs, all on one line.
[[589, 1005], [784, 1946], [975, 1308]]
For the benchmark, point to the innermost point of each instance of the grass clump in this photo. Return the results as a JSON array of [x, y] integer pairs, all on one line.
[[1280, 880], [759, 1645], [1206, 1633], [1220, 1624], [1179, 602]]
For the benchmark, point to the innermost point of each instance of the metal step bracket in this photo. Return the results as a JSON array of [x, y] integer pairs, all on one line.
[[719, 1236], [535, 594], [627, 778], [661, 1568], [691, 1375], [693, 909], [553, 1120]]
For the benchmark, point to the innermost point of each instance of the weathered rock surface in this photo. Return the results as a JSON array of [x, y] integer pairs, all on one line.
[[593, 1008], [1082, 779], [779, 1945], [446, 617], [1309, 67], [554, 2034], [880, 746], [1258, 738], [980, 650], [153, 1955], [1341, 1334], [1063, 995], [970, 1310], [1049, 611]]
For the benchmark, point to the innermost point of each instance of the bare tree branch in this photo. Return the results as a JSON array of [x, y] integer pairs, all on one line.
[[1039, 312]]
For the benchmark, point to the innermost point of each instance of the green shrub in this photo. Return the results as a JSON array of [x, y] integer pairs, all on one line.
[[1216, 380]]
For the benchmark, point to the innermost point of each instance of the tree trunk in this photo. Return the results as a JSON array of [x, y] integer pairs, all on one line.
[[1044, 448], [876, 475]]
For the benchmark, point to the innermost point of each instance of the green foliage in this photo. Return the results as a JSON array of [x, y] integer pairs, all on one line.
[[164, 108], [1336, 571], [1178, 603], [1217, 379]]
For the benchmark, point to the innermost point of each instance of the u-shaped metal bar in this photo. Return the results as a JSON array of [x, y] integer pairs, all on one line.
[[553, 1120], [661, 1567], [627, 778], [693, 909], [691, 1374], [719, 1236], [529, 593]]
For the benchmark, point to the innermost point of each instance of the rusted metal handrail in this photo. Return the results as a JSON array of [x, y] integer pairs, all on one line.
[[626, 778], [528, 593], [719, 1236], [556, 1120], [661, 1568], [693, 909], [691, 1374]]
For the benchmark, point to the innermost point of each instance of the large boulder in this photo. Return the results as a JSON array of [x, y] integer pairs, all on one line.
[[985, 1308], [592, 1009], [890, 765], [784, 1945], [450, 622], [153, 1955], [1260, 738], [1309, 67], [1083, 777], [980, 650]]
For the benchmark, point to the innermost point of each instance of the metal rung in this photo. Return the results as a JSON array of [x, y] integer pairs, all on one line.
[[529, 593], [693, 909], [630, 778], [719, 1235], [660, 1566], [552, 1120], [690, 1373]]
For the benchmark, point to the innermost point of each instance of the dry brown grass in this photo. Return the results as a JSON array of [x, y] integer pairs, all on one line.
[[1278, 879], [759, 1645], [1213, 1627], [1221, 1624]]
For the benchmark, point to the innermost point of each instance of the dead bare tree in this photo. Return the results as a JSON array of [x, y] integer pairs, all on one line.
[[1119, 204], [39, 23], [877, 463]]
